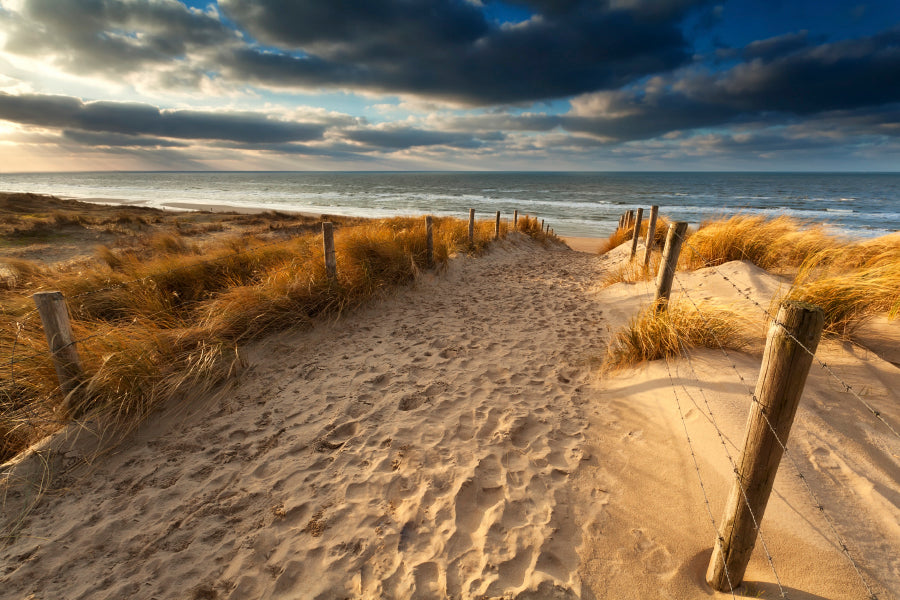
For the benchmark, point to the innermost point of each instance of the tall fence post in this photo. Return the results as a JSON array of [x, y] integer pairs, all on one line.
[[55, 318], [516, 219], [666, 274], [650, 240], [497, 227], [429, 241], [782, 376], [328, 243], [471, 226], [637, 232]]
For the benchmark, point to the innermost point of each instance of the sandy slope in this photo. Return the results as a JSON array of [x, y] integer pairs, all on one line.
[[456, 441]]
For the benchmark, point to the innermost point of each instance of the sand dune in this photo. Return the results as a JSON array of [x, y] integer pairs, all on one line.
[[456, 441]]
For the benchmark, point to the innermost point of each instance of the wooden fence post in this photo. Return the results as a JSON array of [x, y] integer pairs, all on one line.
[[516, 219], [542, 226], [497, 227], [471, 226], [328, 242], [782, 375], [429, 242], [637, 233], [650, 240], [55, 318], [669, 261]]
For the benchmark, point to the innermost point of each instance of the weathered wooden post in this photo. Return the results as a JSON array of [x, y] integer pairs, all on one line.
[[516, 219], [630, 219], [666, 274], [637, 233], [471, 226], [497, 227], [429, 242], [55, 318], [650, 240], [328, 242], [782, 375], [542, 226]]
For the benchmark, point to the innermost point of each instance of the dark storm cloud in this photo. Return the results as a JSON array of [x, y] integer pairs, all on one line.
[[143, 119], [401, 138], [841, 75], [116, 140], [778, 46], [854, 76], [448, 48], [111, 36]]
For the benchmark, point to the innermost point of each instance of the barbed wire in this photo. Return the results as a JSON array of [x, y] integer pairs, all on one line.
[[847, 387], [756, 521], [709, 512], [815, 499], [12, 355]]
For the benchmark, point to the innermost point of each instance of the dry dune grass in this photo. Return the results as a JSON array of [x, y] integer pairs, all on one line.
[[852, 283], [849, 280], [772, 244], [654, 334], [155, 326]]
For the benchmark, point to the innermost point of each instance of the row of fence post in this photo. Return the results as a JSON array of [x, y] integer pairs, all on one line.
[[791, 341]]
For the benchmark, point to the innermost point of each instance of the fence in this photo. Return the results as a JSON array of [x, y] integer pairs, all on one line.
[[789, 353]]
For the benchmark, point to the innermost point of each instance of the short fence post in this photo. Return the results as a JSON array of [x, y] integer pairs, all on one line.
[[650, 240], [429, 242], [782, 376], [542, 226], [55, 318], [621, 221], [471, 226], [669, 261], [516, 219], [630, 218], [328, 242], [497, 227], [637, 232]]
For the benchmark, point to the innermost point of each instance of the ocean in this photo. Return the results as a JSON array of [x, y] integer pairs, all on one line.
[[575, 204]]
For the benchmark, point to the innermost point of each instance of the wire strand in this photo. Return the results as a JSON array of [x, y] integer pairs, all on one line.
[[847, 387]]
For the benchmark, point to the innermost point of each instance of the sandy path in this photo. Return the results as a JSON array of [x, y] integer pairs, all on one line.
[[456, 441]]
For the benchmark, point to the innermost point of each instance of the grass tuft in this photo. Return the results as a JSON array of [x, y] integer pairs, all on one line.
[[852, 284], [653, 334], [772, 244]]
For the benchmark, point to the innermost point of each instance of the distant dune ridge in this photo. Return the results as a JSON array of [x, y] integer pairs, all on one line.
[[459, 438]]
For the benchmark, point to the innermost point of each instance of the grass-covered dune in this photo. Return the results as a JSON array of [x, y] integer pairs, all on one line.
[[851, 280], [165, 310]]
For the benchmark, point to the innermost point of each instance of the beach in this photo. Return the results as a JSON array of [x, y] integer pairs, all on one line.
[[458, 438]]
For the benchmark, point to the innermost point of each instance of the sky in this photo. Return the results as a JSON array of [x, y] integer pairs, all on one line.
[[518, 85]]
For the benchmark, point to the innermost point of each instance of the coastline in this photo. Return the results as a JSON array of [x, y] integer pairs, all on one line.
[[590, 245]]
